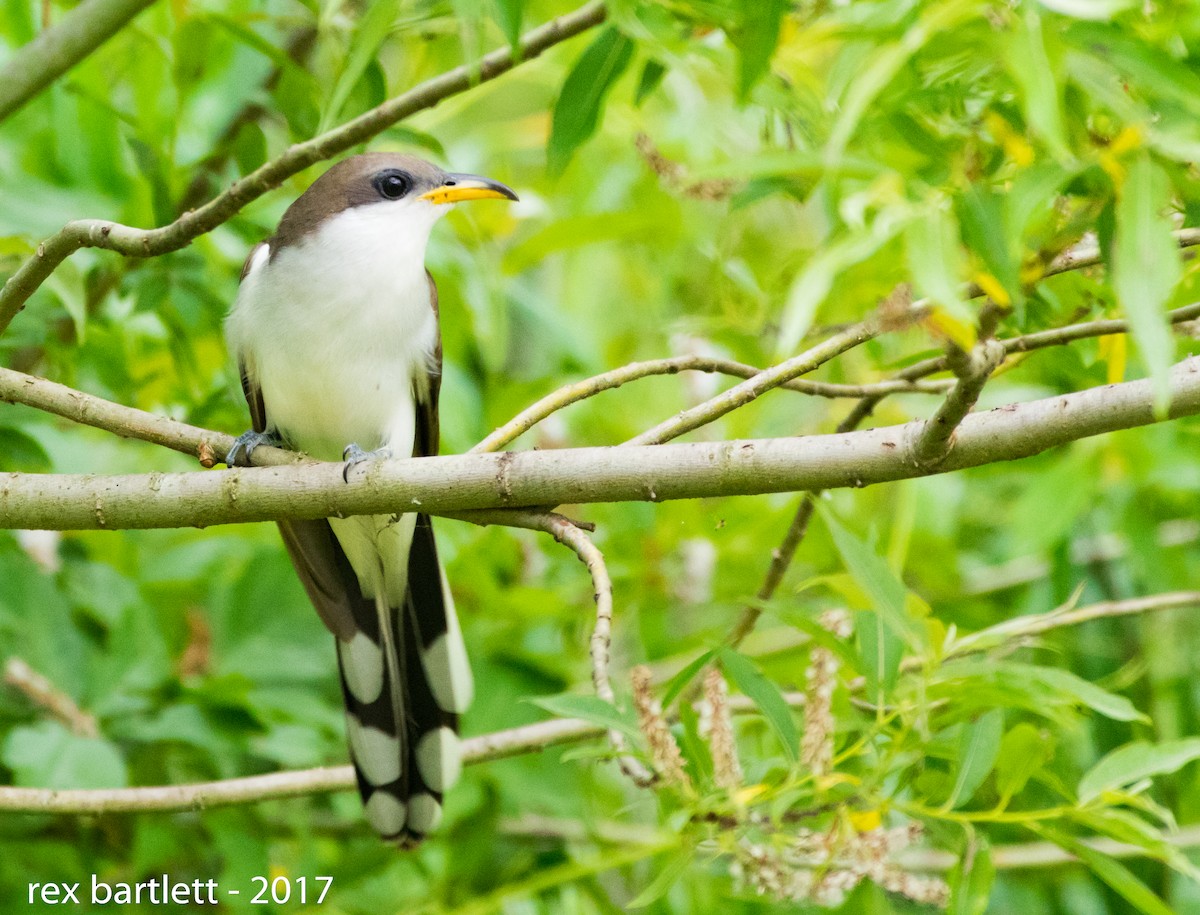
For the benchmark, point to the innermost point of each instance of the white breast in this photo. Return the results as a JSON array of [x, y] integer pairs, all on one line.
[[337, 329]]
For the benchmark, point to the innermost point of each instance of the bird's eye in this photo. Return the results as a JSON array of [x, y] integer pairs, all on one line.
[[392, 184]]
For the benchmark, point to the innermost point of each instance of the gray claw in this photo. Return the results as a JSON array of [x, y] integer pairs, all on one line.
[[246, 443], [354, 455]]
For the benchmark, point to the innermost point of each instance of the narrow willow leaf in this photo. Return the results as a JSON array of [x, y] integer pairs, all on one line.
[[577, 111], [757, 39], [935, 19], [1112, 872], [1134, 762], [1031, 65], [590, 708], [880, 652], [813, 282], [509, 16], [766, 695], [370, 33], [652, 75], [978, 749], [667, 875], [1070, 685], [886, 592], [1146, 267], [971, 881], [1023, 751], [936, 261], [677, 683]]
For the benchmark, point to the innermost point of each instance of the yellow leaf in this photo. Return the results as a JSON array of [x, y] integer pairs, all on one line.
[[992, 289], [1130, 138], [745, 796], [865, 820], [1113, 350], [960, 333]]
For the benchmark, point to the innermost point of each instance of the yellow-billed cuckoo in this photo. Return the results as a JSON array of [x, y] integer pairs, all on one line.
[[335, 328]]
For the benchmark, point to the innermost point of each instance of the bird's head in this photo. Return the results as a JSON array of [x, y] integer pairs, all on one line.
[[386, 194]]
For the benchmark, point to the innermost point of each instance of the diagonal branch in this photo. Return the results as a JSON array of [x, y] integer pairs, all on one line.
[[767, 380], [55, 51], [972, 369], [444, 485], [606, 381], [96, 233]]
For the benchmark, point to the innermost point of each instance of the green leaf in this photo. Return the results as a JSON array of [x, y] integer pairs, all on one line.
[[978, 749], [577, 111], [1065, 683], [1030, 64], [47, 755], [885, 591], [665, 879], [1023, 751], [590, 708], [936, 261], [370, 33], [20, 452], [652, 75], [971, 881], [756, 38], [1146, 268], [1134, 762], [812, 284], [677, 683], [509, 15], [1112, 872], [880, 652], [764, 694]]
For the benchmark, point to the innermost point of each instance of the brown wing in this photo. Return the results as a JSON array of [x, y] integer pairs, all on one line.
[[315, 552]]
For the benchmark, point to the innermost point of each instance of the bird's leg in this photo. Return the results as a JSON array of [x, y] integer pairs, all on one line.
[[354, 455], [244, 445]]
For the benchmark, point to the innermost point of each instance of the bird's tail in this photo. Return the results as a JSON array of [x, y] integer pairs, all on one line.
[[405, 679]]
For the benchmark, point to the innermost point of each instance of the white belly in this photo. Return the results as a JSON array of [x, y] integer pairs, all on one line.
[[336, 351]]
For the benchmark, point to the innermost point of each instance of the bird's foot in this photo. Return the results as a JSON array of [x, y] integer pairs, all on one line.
[[353, 455], [244, 445]]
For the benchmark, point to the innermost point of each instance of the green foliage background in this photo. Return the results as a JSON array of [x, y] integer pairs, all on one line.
[[846, 148]]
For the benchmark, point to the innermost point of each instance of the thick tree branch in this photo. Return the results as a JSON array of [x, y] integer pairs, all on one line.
[[55, 51], [96, 233], [443, 485]]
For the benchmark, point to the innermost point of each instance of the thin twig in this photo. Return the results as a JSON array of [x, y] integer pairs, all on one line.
[[581, 544], [133, 242], [589, 387], [44, 694], [1043, 854], [753, 388], [530, 738]]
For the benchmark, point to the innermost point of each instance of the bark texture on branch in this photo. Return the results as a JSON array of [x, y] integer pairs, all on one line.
[[444, 485]]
